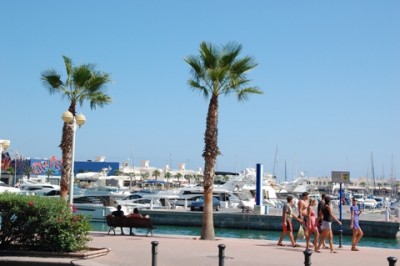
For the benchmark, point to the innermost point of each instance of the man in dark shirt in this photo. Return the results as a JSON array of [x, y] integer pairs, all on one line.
[[321, 203], [119, 213]]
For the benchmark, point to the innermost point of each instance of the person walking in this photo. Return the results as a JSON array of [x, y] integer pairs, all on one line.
[[302, 208], [326, 227], [355, 225], [287, 227], [312, 227], [321, 203]]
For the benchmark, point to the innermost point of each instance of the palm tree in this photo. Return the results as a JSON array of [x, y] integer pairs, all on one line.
[[188, 178], [379, 186], [49, 172], [217, 71], [178, 176], [27, 170], [156, 173], [82, 84], [144, 175], [167, 176]]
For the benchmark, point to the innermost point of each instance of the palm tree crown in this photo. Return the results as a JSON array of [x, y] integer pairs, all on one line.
[[217, 71], [83, 83]]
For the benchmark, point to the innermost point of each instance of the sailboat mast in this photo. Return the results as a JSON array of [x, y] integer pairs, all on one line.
[[275, 166], [373, 171], [285, 172]]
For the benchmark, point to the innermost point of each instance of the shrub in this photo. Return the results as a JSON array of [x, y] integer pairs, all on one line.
[[41, 223]]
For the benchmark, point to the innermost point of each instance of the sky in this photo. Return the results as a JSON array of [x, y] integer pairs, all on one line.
[[329, 70]]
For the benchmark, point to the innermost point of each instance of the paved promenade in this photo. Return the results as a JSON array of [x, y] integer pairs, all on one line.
[[179, 250], [185, 250]]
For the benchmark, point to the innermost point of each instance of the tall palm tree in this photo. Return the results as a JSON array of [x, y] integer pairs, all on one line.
[[217, 71], [82, 84]]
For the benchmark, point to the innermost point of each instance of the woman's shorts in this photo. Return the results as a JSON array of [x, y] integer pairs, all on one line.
[[326, 225]]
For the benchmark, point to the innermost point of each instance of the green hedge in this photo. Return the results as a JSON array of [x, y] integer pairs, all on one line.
[[41, 224]]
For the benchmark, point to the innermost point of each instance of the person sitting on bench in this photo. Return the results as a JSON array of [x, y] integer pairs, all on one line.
[[119, 213], [135, 214]]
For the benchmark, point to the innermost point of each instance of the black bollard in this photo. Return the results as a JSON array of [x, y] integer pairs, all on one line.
[[221, 254], [154, 245], [307, 257], [340, 237], [392, 261]]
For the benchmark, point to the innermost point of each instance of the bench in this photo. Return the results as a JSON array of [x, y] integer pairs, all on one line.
[[131, 222]]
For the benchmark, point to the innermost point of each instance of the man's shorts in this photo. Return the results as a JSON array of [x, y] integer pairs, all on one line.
[[288, 227]]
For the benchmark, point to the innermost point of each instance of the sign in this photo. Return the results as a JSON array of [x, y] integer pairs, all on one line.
[[341, 177]]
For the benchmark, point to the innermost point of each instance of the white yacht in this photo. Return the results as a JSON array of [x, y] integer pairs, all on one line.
[[36, 186], [97, 206], [7, 188]]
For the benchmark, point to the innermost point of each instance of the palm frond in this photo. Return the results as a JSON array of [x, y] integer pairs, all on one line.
[[68, 68], [197, 87], [52, 80], [99, 99], [209, 55], [243, 94]]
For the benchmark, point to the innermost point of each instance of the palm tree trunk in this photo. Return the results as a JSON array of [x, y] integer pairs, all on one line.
[[210, 154], [66, 150]]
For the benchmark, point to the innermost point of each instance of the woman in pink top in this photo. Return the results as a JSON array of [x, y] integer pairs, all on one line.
[[312, 226]]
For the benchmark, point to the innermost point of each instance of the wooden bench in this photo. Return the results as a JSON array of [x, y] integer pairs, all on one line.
[[131, 222]]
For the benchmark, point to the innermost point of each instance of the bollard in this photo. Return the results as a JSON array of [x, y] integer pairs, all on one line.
[[221, 254], [340, 237], [307, 257], [392, 261], [154, 253]]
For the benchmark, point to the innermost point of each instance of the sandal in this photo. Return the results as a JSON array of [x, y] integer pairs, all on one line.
[[280, 244], [334, 251], [355, 249], [317, 251], [296, 245]]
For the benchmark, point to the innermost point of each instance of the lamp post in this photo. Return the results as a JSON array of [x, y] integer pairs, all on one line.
[[16, 155], [4, 144], [77, 120]]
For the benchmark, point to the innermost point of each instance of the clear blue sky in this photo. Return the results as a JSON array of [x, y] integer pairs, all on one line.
[[330, 72]]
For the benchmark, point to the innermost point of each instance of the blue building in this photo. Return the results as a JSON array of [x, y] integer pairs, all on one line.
[[95, 166]]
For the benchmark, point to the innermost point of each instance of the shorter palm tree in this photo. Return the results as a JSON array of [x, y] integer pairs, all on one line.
[[49, 172], [156, 174], [168, 176], [178, 176]]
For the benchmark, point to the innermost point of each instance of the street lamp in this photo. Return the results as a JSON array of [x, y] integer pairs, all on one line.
[[16, 156], [4, 144], [77, 120]]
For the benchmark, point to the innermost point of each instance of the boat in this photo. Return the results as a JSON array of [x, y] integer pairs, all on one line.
[[7, 188], [226, 197], [141, 203], [97, 206], [36, 186], [244, 187]]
